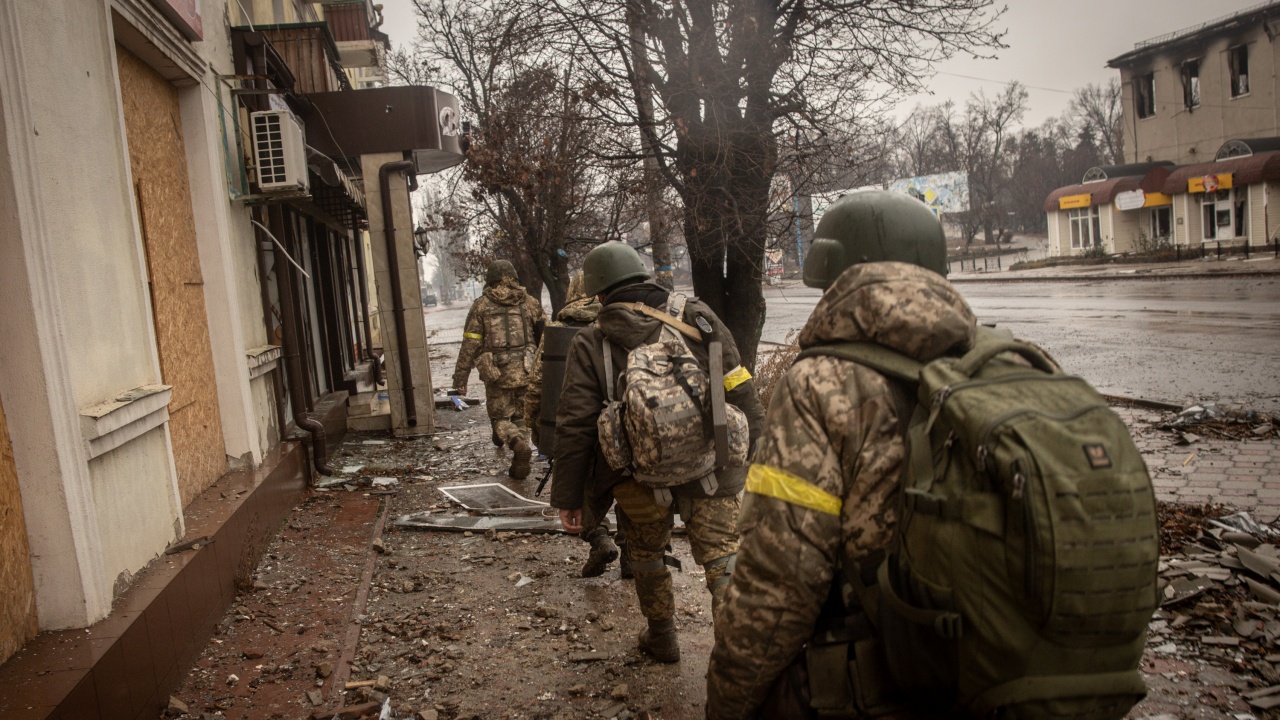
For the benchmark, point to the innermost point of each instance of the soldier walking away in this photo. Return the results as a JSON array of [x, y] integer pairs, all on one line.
[[541, 402], [499, 339], [814, 623], [635, 312]]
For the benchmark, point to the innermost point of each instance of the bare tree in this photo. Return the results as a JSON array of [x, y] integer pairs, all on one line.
[[716, 88], [1096, 110], [542, 194]]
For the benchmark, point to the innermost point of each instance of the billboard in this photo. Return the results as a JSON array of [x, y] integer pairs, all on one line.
[[943, 193]]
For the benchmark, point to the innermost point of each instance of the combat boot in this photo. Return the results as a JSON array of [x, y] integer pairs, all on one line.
[[497, 441], [522, 454], [660, 642], [603, 552]]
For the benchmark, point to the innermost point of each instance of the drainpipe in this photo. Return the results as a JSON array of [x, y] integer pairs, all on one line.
[[292, 357], [397, 300], [364, 301]]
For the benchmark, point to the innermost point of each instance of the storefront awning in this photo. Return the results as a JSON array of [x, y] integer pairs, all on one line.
[[1224, 174]]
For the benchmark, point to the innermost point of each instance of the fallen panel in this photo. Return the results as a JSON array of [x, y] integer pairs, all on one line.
[[479, 523], [492, 498]]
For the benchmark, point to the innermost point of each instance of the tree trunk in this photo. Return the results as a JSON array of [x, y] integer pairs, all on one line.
[[659, 231], [725, 230]]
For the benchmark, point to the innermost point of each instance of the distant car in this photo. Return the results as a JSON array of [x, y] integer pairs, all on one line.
[[429, 301]]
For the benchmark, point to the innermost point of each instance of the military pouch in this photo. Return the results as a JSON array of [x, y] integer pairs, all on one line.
[[874, 692], [488, 369]]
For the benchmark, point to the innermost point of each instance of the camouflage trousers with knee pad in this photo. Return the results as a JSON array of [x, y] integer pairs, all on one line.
[[506, 412], [713, 538]]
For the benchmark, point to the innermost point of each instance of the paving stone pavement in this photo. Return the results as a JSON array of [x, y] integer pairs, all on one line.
[[1241, 474]]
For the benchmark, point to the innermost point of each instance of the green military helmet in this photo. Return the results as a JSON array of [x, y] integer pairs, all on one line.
[[871, 226], [499, 269], [609, 264]]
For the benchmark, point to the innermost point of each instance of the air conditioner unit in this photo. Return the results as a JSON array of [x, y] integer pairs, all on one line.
[[279, 151]]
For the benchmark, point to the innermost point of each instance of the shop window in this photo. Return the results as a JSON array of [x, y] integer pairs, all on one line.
[[1144, 95], [1191, 84], [1086, 227], [1161, 223], [1222, 215], [1238, 61]]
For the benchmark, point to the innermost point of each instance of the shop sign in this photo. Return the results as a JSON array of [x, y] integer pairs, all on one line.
[[1071, 202], [1157, 200], [1209, 183], [1131, 200]]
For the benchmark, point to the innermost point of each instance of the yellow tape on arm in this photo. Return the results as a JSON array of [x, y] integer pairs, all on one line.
[[780, 484], [472, 336], [736, 377]]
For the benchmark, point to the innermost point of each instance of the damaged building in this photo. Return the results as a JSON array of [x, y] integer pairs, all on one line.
[[209, 255]]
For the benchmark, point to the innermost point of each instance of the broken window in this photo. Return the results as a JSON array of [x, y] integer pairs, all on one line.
[[1144, 95], [1086, 227], [1238, 61], [1191, 84]]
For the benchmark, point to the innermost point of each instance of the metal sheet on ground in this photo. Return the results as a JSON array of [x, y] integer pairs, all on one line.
[[491, 498], [480, 523]]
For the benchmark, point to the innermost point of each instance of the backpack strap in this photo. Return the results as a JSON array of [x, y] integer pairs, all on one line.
[[608, 370], [873, 355], [683, 327]]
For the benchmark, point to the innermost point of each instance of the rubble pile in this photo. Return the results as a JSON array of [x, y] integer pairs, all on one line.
[[1210, 420], [1220, 595]]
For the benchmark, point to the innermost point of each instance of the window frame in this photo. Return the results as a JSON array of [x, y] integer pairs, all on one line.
[[1144, 95], [1082, 222], [1227, 205], [1190, 75], [1238, 68]]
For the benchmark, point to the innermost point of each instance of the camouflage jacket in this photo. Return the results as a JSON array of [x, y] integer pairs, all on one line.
[[825, 477], [579, 469], [578, 310], [488, 330]]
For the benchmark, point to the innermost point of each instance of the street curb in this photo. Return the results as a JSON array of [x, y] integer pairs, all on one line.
[[1140, 402], [1002, 278]]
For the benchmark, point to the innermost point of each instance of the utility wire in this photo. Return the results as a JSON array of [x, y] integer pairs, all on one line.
[[277, 242]]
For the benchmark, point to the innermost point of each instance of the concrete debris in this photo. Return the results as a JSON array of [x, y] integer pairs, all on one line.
[[176, 707]]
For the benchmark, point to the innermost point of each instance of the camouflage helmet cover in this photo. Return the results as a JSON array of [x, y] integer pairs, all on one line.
[[499, 269], [872, 226]]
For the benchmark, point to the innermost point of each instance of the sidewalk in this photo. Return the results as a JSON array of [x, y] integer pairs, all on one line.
[[1262, 263], [1241, 474]]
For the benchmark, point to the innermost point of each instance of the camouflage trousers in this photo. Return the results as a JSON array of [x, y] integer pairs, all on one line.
[[713, 537], [506, 413]]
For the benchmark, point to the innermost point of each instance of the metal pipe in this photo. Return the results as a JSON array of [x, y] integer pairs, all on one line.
[[292, 357], [397, 300], [364, 287]]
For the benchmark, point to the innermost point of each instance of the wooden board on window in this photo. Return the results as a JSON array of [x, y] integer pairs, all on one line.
[[157, 156], [17, 589]]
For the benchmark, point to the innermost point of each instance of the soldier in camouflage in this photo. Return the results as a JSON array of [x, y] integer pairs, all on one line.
[[614, 272], [824, 481], [580, 310], [499, 338]]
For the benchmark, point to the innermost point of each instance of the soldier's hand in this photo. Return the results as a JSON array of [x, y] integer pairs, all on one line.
[[462, 389], [571, 520]]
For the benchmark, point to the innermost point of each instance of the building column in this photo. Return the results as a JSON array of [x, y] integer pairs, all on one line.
[[419, 371], [50, 452]]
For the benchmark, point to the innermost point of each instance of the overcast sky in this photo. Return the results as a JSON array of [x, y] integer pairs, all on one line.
[[1054, 46]]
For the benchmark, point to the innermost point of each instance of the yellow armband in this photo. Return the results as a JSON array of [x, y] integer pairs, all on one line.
[[780, 484], [736, 377]]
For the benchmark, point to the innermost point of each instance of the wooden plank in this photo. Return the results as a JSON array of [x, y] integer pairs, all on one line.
[[17, 588], [157, 156]]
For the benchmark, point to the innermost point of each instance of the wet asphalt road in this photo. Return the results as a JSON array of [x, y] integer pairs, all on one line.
[[1178, 341]]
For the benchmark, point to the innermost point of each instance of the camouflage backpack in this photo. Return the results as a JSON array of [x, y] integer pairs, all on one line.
[[508, 344], [1022, 573], [662, 427]]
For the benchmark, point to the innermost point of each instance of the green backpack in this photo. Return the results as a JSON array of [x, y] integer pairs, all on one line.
[[1022, 573]]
